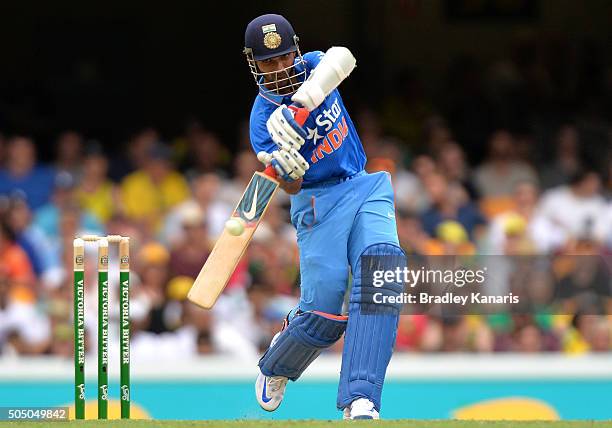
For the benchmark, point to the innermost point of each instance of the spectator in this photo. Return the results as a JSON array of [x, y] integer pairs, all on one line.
[[579, 337], [584, 283], [96, 193], [450, 161], [153, 190], [436, 134], [409, 194], [138, 148], [412, 237], [49, 217], [410, 331], [152, 265], [601, 339], [370, 132], [451, 239], [69, 153], [71, 224], [528, 339], [23, 329], [448, 203], [46, 263], [603, 228], [455, 334], [245, 163], [566, 162], [423, 166], [199, 325], [188, 255], [520, 230], [206, 154], [20, 173], [205, 198], [277, 223], [15, 267], [498, 175], [573, 210]]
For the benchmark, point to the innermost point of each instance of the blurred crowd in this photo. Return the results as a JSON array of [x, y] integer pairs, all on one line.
[[461, 187]]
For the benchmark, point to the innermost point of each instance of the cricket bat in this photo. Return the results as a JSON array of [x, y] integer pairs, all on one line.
[[229, 249], [335, 66]]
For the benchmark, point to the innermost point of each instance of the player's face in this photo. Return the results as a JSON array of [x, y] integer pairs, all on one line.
[[278, 72]]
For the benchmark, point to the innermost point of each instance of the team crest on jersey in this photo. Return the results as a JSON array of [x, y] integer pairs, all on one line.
[[334, 130]]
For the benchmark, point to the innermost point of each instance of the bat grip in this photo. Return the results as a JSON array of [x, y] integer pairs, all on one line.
[[300, 114], [270, 171]]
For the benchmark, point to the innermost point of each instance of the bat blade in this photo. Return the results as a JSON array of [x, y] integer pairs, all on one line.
[[229, 249]]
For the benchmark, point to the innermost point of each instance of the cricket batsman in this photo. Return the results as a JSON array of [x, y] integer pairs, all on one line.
[[342, 215]]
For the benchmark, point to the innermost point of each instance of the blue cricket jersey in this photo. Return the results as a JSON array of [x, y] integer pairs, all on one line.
[[333, 148]]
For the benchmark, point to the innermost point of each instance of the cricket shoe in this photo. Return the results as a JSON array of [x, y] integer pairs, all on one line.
[[362, 408], [270, 389]]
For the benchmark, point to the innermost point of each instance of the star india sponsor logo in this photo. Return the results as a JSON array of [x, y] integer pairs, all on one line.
[[334, 129]]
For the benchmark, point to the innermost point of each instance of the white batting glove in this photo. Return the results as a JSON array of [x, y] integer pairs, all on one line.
[[284, 130], [334, 67], [289, 164]]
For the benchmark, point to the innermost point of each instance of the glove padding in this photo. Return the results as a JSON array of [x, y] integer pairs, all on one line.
[[284, 130], [289, 164]]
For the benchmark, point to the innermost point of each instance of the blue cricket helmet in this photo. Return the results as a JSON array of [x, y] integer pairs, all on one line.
[[269, 36]]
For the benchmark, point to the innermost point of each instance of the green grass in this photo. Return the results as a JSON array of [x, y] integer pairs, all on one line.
[[310, 424]]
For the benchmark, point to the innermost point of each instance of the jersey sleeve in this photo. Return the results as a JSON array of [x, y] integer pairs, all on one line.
[[312, 59], [258, 132]]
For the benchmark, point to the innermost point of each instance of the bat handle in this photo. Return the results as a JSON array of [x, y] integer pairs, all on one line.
[[270, 171], [300, 114]]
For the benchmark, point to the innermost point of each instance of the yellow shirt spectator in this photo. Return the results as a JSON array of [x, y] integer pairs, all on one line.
[[574, 343], [146, 200], [99, 202]]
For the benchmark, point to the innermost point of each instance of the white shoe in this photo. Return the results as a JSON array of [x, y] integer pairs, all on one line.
[[346, 413], [362, 408], [270, 391]]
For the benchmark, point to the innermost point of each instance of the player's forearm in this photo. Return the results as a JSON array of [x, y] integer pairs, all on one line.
[[290, 187]]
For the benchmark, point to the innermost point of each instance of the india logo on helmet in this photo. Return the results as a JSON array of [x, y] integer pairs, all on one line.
[[272, 40]]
